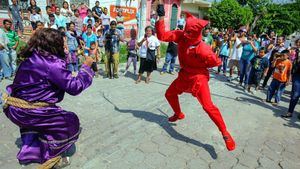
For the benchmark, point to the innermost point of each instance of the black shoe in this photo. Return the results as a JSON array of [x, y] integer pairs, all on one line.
[[287, 115]]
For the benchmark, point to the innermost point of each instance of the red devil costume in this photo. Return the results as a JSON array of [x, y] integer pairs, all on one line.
[[195, 57]]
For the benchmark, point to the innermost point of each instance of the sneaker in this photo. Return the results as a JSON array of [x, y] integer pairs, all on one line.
[[172, 73], [162, 73], [229, 79]]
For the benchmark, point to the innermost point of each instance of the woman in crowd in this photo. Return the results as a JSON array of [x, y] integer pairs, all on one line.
[[83, 10], [250, 48], [32, 7], [66, 12], [149, 48]]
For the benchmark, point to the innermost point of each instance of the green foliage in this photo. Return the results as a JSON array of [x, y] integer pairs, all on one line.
[[261, 15], [282, 18], [229, 13]]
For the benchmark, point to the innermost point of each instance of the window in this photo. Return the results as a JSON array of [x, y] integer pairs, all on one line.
[[4, 4]]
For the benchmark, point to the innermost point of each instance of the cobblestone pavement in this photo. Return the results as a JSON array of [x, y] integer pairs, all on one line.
[[125, 127]]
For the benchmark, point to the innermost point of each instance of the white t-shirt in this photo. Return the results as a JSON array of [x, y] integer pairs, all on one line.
[[105, 19], [153, 43], [237, 52]]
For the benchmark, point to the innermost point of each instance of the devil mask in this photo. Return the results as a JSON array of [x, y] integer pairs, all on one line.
[[193, 28]]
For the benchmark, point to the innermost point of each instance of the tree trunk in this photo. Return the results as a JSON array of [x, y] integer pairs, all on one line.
[[254, 22]]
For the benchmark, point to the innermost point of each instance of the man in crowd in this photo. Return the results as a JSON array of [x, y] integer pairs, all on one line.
[[273, 48], [4, 61], [97, 11], [112, 47], [12, 46], [16, 15], [45, 16]]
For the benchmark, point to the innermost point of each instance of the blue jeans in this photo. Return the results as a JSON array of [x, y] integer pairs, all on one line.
[[224, 63], [244, 67], [276, 87], [5, 63], [170, 59], [12, 54], [73, 67], [295, 93]]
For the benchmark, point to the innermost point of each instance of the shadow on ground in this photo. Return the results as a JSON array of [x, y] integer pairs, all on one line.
[[162, 120]]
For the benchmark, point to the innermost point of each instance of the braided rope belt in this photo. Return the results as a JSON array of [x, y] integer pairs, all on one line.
[[20, 103]]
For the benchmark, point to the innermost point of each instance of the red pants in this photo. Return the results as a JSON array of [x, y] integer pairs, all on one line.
[[197, 85]]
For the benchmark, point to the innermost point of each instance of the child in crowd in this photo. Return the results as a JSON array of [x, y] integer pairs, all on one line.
[[98, 25], [281, 76], [132, 52], [259, 69], [34, 18], [93, 53], [224, 52], [85, 26], [80, 53], [100, 40]]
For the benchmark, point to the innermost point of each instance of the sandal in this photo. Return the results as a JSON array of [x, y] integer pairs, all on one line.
[[287, 115], [137, 81], [63, 162]]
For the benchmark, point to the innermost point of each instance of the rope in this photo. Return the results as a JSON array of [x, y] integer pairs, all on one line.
[[16, 102], [49, 164]]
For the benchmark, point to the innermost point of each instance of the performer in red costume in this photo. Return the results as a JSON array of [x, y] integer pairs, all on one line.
[[195, 57]]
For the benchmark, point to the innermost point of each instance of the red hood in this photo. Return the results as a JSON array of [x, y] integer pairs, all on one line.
[[193, 28]]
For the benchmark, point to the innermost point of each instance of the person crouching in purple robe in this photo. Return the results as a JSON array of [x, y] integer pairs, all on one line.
[[47, 131]]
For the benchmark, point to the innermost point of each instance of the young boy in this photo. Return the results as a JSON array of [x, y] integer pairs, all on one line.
[[281, 76], [260, 65]]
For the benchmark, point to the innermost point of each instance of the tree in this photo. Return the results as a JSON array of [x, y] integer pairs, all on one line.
[[229, 13], [258, 7], [282, 18]]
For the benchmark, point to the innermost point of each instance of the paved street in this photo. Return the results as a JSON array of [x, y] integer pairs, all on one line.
[[125, 127]]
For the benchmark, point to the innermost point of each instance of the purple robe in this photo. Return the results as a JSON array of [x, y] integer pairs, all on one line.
[[49, 131]]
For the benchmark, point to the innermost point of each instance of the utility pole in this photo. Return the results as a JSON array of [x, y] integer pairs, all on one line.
[[142, 18]]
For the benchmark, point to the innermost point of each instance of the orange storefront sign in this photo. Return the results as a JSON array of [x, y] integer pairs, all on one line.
[[129, 13]]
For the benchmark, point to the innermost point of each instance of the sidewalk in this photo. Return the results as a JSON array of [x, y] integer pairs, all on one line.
[[125, 127]]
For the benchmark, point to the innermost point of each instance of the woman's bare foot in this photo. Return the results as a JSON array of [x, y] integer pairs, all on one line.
[[147, 80]]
